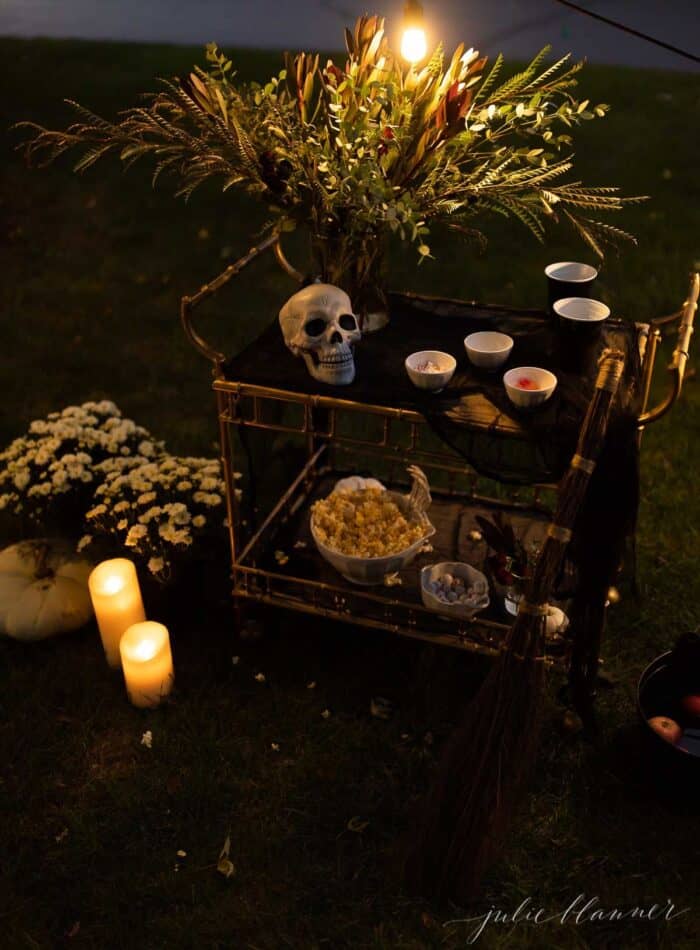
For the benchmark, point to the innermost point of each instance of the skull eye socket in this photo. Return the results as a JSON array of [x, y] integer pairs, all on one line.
[[347, 321], [315, 326]]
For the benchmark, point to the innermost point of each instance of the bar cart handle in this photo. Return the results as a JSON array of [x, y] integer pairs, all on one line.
[[189, 303], [679, 359]]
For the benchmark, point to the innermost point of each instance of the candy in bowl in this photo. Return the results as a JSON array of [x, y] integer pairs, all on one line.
[[454, 589]]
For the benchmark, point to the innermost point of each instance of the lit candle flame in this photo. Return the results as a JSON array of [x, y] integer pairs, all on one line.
[[113, 584], [145, 650]]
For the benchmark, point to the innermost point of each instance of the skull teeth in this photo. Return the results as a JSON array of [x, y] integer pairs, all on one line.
[[334, 360]]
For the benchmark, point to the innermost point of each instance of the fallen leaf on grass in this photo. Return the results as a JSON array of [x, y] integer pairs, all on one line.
[[225, 865], [62, 836], [326, 714], [260, 677], [311, 685], [357, 825], [74, 930]]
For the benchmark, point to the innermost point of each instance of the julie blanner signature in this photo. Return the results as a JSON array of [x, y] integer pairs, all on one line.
[[581, 910]]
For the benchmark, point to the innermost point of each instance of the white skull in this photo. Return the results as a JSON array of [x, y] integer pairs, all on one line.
[[318, 324]]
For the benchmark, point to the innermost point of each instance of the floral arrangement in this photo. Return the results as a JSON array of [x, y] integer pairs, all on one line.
[[49, 475], [159, 509], [358, 151], [89, 471]]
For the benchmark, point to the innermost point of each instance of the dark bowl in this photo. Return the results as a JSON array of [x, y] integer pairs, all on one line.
[[660, 694]]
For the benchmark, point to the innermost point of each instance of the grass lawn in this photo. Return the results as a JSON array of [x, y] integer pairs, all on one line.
[[90, 820]]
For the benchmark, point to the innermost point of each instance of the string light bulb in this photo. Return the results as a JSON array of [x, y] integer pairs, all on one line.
[[414, 45]]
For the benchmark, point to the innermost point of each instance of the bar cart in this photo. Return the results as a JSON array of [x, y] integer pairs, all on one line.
[[330, 434]]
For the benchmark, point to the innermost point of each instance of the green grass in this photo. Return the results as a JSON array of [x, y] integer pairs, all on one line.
[[93, 269]]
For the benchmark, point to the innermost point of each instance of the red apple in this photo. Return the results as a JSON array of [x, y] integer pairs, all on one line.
[[668, 729], [691, 704]]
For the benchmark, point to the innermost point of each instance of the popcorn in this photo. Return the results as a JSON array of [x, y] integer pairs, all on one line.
[[363, 523]]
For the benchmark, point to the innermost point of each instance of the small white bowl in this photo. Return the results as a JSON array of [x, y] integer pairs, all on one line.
[[488, 349], [581, 310], [426, 380], [545, 382], [468, 574]]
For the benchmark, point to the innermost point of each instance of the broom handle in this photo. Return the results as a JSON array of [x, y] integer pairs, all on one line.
[[575, 482]]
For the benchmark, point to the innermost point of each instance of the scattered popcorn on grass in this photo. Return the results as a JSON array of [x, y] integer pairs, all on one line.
[[281, 558], [475, 535], [147, 739], [311, 685], [260, 677], [235, 660], [275, 746], [326, 714]]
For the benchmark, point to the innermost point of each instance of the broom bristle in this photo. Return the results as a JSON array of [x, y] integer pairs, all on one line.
[[482, 771], [489, 759]]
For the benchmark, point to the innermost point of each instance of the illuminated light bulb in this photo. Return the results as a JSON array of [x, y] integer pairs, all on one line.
[[413, 44]]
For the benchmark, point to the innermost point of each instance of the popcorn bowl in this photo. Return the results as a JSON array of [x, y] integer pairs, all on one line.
[[372, 570]]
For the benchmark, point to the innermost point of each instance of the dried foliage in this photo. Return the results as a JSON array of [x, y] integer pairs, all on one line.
[[372, 147]]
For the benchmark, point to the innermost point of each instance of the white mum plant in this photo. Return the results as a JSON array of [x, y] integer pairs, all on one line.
[[50, 474], [158, 509]]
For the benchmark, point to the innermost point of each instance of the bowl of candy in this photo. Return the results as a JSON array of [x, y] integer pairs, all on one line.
[[454, 589], [529, 386], [430, 369], [367, 532]]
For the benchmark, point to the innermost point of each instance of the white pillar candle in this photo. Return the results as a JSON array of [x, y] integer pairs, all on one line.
[[116, 598], [147, 663]]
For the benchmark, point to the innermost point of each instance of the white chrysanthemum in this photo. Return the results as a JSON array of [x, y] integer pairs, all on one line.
[[199, 521], [156, 565], [84, 542], [136, 533]]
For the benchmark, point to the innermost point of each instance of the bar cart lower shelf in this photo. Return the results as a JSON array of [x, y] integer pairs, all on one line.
[[281, 567]]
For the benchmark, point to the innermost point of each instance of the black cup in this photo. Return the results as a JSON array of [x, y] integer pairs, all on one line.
[[569, 279], [580, 321]]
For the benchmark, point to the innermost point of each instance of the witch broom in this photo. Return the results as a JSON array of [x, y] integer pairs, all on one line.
[[488, 760]]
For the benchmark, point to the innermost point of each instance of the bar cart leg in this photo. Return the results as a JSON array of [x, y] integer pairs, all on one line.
[[588, 622]]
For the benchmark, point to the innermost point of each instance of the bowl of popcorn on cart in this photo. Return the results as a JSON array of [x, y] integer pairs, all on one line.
[[366, 531]]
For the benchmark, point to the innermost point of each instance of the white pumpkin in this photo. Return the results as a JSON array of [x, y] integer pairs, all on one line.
[[43, 590]]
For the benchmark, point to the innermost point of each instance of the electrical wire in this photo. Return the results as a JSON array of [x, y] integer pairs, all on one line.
[[630, 30]]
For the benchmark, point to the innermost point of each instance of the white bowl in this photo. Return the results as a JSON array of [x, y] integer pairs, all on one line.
[[469, 575], [571, 272], [545, 382], [488, 349], [373, 570], [431, 381], [581, 310]]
